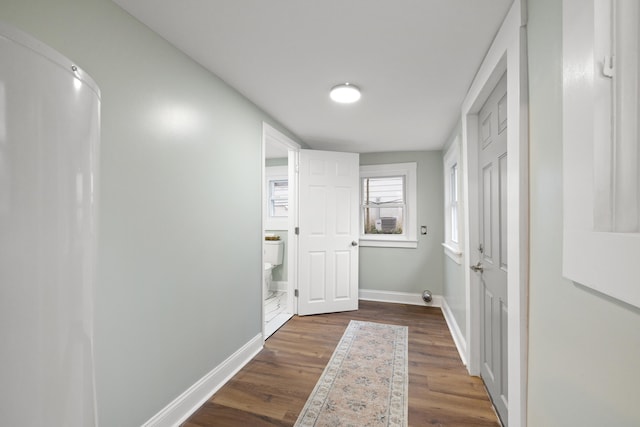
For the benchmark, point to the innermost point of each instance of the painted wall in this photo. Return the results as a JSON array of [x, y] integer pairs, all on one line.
[[584, 347], [172, 273], [453, 287], [281, 161], [410, 270], [454, 292]]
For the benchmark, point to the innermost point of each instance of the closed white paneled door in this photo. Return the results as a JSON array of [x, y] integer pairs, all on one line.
[[492, 225]]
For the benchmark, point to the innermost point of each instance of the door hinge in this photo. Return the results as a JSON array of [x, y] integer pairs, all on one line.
[[295, 293], [297, 231]]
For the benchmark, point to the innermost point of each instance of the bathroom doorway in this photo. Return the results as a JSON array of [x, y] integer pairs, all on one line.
[[279, 213]]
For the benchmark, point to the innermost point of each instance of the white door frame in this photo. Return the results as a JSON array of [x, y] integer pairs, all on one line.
[[272, 135], [507, 53]]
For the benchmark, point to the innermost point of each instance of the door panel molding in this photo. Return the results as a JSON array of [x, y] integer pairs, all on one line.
[[492, 276], [329, 198]]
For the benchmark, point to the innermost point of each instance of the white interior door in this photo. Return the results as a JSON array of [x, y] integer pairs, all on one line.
[[492, 268], [328, 231]]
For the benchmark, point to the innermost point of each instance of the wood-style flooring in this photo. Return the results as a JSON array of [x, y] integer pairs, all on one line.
[[272, 389]]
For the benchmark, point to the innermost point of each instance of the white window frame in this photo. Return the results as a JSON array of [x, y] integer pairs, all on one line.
[[409, 239], [275, 173], [451, 159], [601, 168]]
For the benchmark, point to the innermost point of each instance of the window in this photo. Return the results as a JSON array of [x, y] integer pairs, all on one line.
[[451, 203], [601, 146], [453, 206], [277, 198], [383, 204], [388, 205]]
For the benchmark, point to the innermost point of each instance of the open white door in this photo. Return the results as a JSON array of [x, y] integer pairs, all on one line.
[[328, 231]]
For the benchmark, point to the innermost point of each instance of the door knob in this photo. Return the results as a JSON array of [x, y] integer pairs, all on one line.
[[478, 268], [354, 243]]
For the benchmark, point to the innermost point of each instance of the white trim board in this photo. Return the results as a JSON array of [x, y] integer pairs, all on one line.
[[506, 54], [453, 253], [601, 166], [456, 333], [398, 297], [195, 396]]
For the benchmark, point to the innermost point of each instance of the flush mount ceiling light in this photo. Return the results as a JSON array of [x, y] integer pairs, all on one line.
[[345, 93]]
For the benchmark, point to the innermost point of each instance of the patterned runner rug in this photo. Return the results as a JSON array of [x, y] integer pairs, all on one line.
[[365, 382]]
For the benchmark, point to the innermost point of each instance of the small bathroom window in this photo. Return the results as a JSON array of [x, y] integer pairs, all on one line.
[[277, 198]]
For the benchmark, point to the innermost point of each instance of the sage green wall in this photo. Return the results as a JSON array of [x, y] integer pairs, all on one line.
[[281, 161], [584, 348], [173, 273], [410, 270], [454, 292]]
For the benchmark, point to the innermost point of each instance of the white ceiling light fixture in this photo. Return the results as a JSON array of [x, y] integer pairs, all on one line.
[[345, 93]]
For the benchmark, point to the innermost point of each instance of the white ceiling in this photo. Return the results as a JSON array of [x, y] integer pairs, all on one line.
[[413, 60]]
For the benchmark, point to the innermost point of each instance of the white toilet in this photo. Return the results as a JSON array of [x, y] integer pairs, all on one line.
[[273, 254]]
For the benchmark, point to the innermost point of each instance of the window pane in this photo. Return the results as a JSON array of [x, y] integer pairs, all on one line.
[[383, 220], [383, 205], [453, 206], [381, 191], [279, 189], [279, 198], [454, 183], [454, 223]]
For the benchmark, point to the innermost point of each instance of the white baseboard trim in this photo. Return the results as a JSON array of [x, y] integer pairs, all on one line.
[[458, 338], [195, 396], [398, 297]]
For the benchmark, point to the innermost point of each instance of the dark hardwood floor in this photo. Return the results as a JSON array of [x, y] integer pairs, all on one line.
[[272, 389]]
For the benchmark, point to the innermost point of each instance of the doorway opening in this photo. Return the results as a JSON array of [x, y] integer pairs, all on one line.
[[279, 219]]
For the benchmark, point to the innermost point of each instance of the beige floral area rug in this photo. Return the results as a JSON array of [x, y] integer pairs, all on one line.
[[365, 382]]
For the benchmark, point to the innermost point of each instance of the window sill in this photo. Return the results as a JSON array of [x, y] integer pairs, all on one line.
[[276, 224], [373, 243], [452, 252]]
